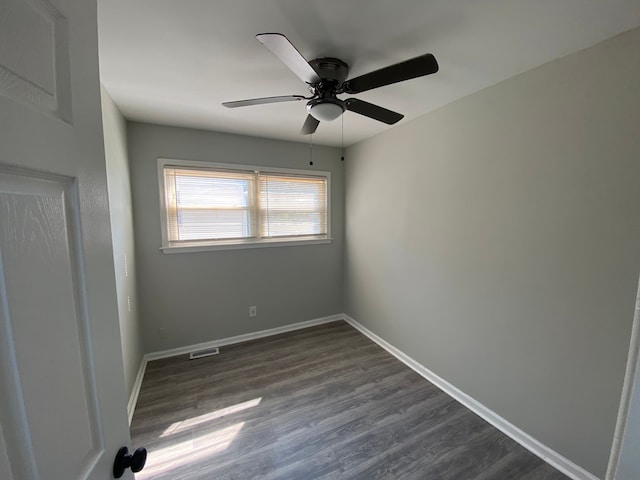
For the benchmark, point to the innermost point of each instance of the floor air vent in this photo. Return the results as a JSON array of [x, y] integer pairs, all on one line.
[[207, 352]]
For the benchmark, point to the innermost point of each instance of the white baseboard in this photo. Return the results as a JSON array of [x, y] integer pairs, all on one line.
[[241, 338], [133, 399], [536, 447]]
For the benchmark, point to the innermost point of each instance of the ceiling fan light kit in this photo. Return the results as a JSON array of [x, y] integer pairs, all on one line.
[[325, 110], [327, 77]]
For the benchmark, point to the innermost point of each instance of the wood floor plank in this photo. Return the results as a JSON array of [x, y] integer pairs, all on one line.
[[319, 403]]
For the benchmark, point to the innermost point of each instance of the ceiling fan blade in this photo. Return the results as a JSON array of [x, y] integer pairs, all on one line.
[[373, 111], [282, 48], [263, 100], [310, 125], [416, 67]]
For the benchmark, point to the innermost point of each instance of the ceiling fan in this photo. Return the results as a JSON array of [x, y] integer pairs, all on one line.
[[327, 78]]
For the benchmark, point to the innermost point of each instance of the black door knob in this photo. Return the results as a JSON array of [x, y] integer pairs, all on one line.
[[124, 460]]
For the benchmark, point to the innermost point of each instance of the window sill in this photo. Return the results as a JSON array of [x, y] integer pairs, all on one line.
[[241, 246]]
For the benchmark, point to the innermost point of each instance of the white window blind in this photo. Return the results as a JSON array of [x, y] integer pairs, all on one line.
[[292, 206], [213, 206], [208, 205]]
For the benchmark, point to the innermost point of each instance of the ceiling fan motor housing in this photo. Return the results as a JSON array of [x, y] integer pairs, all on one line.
[[332, 69], [332, 72]]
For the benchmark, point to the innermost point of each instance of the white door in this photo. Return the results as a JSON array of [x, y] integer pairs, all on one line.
[[62, 393]]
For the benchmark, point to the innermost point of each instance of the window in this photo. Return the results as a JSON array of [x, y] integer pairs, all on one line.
[[209, 206]]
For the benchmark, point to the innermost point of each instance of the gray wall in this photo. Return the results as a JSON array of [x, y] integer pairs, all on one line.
[[120, 208], [497, 242], [202, 296]]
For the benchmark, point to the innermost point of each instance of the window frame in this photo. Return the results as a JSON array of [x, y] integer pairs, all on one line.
[[237, 243]]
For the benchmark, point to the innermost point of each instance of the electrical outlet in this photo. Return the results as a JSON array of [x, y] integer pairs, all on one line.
[[253, 311]]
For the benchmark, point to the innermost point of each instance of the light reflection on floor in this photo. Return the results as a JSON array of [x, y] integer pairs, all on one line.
[[187, 452]]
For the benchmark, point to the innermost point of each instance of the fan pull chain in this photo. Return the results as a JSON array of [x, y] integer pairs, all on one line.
[[311, 149], [342, 140]]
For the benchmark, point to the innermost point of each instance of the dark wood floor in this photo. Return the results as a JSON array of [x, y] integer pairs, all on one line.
[[323, 402]]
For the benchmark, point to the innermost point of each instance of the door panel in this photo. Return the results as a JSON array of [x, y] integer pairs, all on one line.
[[38, 214], [34, 56]]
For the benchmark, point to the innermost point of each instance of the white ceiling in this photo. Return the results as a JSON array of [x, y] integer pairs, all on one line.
[[174, 61]]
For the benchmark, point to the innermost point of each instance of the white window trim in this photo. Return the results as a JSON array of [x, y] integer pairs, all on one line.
[[235, 244]]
